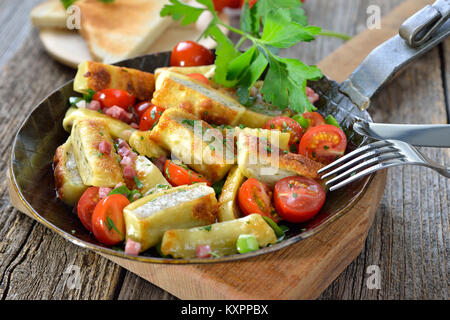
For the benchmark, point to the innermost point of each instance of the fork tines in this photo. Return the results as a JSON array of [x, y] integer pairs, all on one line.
[[360, 163]]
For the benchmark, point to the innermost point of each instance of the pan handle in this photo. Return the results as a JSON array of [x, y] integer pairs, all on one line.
[[417, 35]]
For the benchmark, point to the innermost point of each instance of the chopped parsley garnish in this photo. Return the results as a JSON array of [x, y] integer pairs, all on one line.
[[269, 26], [110, 224], [189, 122], [138, 182], [207, 228], [326, 147], [88, 95]]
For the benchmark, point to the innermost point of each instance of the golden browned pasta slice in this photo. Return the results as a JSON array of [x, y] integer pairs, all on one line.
[[98, 76], [182, 207], [221, 237], [68, 183], [177, 90], [195, 143], [95, 168], [117, 128], [151, 177], [268, 164], [228, 206], [208, 71], [141, 142]]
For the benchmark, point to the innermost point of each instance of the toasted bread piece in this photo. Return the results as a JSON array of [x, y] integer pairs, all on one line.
[[221, 237], [174, 89], [98, 76], [228, 206], [268, 164], [95, 168], [182, 207], [195, 143], [49, 14], [68, 183], [121, 29], [208, 71]]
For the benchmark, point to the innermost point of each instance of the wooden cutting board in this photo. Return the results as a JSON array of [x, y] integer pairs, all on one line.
[[303, 270]]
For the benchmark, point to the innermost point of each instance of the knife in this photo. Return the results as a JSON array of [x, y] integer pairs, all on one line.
[[422, 135]]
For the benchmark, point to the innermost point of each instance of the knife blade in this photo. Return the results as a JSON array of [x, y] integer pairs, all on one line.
[[421, 135]]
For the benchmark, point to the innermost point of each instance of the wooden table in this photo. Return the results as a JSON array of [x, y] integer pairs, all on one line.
[[409, 239]]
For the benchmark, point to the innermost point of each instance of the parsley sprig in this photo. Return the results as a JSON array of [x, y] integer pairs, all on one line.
[[269, 25]]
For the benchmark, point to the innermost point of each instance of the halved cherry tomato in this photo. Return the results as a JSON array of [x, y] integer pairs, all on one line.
[[256, 197], [285, 124], [114, 97], [141, 107], [323, 143], [86, 206], [108, 223], [150, 118], [190, 53], [180, 175], [298, 199], [314, 120], [199, 77]]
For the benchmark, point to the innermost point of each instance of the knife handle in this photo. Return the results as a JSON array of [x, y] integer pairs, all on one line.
[[419, 34]]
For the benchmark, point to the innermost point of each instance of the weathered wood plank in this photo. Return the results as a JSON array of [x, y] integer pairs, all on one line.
[[409, 239], [16, 25], [33, 259]]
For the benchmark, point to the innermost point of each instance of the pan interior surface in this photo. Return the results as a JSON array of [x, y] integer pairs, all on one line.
[[42, 132]]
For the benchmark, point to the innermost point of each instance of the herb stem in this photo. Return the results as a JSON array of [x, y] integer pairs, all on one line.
[[327, 33]]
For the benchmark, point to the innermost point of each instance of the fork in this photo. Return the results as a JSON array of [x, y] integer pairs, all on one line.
[[373, 157]]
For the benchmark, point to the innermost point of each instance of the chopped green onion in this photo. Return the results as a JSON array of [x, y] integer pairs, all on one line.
[[247, 243]]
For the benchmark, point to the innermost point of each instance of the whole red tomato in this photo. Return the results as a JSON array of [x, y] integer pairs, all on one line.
[[190, 54]]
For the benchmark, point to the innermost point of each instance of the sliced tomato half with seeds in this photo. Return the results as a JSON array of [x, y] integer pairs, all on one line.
[[256, 197], [324, 143]]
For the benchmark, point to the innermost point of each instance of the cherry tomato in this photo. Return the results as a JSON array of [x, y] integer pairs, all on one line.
[[190, 53], [179, 175], [114, 97], [255, 197], [323, 143], [141, 107], [86, 206], [108, 223], [285, 124], [199, 77], [314, 119], [150, 118], [298, 199], [219, 5]]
